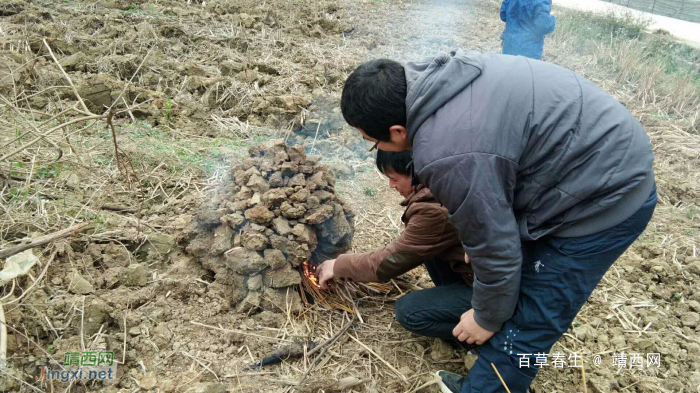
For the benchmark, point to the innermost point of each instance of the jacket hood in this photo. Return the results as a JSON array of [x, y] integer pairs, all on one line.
[[431, 83]]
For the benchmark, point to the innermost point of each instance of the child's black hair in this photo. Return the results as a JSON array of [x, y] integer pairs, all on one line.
[[397, 162], [374, 98]]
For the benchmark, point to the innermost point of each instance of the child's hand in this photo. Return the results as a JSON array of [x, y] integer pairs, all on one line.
[[325, 273]]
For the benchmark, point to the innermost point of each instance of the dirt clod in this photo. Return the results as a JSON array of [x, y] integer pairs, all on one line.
[[80, 285], [134, 276]]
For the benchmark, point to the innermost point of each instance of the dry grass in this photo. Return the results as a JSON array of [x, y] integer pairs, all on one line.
[[656, 76], [177, 159]]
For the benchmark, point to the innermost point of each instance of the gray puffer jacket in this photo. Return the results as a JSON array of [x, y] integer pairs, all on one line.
[[517, 149]]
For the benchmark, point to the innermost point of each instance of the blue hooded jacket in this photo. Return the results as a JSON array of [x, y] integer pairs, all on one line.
[[527, 22]]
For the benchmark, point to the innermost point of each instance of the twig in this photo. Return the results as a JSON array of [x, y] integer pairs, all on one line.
[[499, 377], [325, 345], [53, 329], [36, 131], [41, 136], [201, 364], [313, 144], [126, 312], [120, 166], [131, 115], [368, 349], [3, 339], [70, 82], [45, 239], [82, 322], [349, 382], [118, 208], [72, 148], [334, 337], [425, 385], [143, 367], [583, 376], [240, 332], [14, 281], [354, 305], [126, 85]]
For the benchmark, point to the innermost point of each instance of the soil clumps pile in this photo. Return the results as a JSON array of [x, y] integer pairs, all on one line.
[[276, 210]]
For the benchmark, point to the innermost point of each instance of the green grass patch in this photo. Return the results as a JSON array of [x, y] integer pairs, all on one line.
[[150, 146], [613, 29], [369, 191], [601, 28], [656, 69], [17, 194], [51, 170]]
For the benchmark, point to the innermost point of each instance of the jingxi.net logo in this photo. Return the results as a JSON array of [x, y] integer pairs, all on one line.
[[82, 366]]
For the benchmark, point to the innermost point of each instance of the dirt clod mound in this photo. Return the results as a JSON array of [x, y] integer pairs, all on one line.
[[275, 210]]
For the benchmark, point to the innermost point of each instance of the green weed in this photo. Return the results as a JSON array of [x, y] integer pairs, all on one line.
[[143, 130], [168, 110], [103, 161], [17, 165], [50, 171], [18, 194]]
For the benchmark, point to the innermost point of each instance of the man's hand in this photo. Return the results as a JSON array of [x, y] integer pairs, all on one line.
[[466, 259], [468, 330], [325, 273]]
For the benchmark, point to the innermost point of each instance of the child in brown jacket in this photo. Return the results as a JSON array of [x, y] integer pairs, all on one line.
[[428, 239]]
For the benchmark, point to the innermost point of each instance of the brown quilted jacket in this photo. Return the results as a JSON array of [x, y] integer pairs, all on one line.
[[428, 234]]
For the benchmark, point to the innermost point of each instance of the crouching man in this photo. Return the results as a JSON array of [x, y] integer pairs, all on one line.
[[428, 239], [547, 178]]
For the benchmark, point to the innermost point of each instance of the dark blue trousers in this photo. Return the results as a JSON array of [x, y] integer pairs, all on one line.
[[558, 276], [435, 312]]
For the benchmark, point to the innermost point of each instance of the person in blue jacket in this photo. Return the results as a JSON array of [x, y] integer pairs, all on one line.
[[527, 22]]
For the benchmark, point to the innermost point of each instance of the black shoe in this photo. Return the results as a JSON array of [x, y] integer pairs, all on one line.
[[471, 348], [450, 382], [460, 345]]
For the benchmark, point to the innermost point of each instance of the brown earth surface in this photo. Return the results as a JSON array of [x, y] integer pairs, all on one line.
[[196, 84]]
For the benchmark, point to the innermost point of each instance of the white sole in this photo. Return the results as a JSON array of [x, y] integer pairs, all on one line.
[[443, 388]]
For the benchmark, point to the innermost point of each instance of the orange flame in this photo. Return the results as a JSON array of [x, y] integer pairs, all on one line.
[[310, 273]]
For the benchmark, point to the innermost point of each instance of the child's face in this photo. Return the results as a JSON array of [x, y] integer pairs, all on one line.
[[400, 183]]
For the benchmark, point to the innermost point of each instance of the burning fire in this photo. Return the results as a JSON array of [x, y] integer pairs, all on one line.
[[310, 273]]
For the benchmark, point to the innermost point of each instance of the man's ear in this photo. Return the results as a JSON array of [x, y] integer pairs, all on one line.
[[399, 135]]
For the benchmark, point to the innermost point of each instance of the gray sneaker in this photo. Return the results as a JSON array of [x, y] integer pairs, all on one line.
[[449, 382]]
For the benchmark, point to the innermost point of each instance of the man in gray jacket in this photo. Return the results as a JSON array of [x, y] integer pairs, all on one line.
[[547, 178]]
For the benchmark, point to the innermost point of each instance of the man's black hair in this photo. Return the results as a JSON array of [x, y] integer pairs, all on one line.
[[397, 162], [374, 98]]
